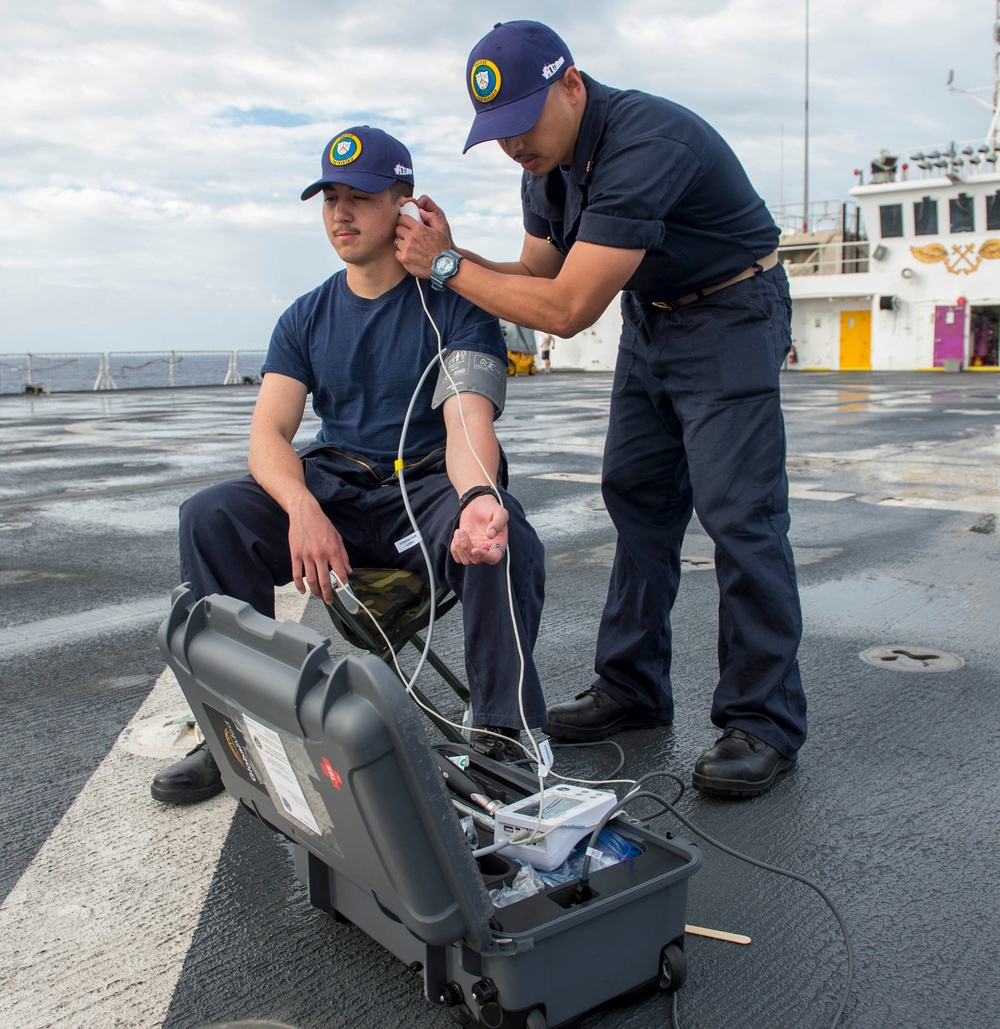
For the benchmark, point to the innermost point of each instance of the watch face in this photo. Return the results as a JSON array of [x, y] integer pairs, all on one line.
[[444, 264]]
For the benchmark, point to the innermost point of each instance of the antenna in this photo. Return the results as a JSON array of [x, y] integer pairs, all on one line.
[[992, 137], [991, 134], [805, 169]]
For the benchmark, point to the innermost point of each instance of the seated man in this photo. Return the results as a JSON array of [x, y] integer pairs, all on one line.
[[359, 344]]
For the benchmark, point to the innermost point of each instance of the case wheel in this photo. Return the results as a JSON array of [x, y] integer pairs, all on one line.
[[673, 968], [454, 1000], [451, 995], [536, 1019]]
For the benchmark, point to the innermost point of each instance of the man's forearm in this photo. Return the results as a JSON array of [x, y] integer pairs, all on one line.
[[463, 468], [503, 267], [473, 453], [276, 466], [519, 297], [542, 290]]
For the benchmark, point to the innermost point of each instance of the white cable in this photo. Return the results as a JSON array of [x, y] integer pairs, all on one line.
[[536, 755], [593, 782], [533, 754]]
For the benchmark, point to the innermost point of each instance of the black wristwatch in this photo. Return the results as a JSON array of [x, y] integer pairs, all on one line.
[[443, 267], [470, 494]]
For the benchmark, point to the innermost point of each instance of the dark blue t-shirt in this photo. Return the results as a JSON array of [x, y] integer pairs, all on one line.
[[649, 174], [361, 360]]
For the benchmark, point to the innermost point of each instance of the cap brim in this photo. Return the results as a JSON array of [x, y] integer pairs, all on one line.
[[367, 182], [509, 120]]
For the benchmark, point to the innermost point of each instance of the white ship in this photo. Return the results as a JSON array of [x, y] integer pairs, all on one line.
[[903, 275], [906, 274]]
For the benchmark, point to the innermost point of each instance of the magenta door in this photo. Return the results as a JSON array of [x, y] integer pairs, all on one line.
[[949, 334]]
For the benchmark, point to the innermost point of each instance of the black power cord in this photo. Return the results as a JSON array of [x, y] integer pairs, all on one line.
[[583, 889]]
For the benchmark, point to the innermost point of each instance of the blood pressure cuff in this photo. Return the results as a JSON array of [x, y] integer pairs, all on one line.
[[471, 371]]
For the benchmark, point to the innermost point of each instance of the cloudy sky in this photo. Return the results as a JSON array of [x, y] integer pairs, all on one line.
[[153, 153]]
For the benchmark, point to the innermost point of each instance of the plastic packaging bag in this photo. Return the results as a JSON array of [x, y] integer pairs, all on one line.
[[611, 848], [526, 883], [469, 828], [529, 881]]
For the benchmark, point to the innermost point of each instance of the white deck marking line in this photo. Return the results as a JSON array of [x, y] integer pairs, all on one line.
[[973, 504], [96, 930], [570, 476], [802, 491], [41, 634], [799, 491]]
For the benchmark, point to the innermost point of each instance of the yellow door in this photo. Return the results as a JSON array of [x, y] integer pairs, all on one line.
[[855, 340]]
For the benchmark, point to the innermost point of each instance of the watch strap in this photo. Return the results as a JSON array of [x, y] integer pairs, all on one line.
[[470, 494], [437, 278]]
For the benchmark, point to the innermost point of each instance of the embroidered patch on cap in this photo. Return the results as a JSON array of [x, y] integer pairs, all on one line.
[[550, 69], [485, 81], [344, 149]]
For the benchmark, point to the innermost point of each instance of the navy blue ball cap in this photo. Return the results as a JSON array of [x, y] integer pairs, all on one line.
[[508, 75], [363, 158]]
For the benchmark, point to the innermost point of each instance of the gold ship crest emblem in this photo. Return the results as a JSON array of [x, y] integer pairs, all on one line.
[[962, 259]]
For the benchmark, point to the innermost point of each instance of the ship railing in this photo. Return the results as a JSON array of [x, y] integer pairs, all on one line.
[[957, 157], [805, 257], [32, 373], [820, 216]]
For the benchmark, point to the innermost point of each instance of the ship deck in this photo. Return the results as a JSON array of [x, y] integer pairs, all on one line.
[[120, 912]]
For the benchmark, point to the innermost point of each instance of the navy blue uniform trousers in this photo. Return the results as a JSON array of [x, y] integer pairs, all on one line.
[[696, 424], [234, 541]]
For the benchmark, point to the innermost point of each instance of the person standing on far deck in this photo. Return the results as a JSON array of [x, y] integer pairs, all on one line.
[[548, 345]]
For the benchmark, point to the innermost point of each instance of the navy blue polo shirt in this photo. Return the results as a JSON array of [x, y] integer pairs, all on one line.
[[361, 360], [649, 174]]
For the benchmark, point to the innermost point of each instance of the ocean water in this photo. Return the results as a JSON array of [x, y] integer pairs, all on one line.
[[74, 373]]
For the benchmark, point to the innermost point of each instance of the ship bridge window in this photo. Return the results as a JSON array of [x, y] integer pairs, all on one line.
[[892, 220], [993, 212], [960, 213], [925, 219]]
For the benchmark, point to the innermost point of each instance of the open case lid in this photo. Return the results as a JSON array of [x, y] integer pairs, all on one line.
[[332, 753]]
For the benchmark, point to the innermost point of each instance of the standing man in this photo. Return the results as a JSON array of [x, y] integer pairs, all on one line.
[[624, 191], [548, 345], [360, 343]]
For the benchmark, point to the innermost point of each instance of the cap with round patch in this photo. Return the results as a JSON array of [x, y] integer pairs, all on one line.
[[363, 158], [508, 75]]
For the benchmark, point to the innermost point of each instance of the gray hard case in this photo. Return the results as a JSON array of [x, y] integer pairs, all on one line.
[[333, 754]]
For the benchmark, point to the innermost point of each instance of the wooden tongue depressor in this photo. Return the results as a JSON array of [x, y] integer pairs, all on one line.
[[716, 934]]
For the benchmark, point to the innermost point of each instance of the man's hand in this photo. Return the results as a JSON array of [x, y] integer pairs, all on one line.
[[316, 548], [420, 243], [481, 536]]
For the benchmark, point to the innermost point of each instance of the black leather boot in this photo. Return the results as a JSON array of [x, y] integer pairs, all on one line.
[[594, 715], [739, 765], [498, 742], [195, 777]]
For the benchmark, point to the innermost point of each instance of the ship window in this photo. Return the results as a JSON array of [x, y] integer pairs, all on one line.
[[925, 222], [960, 213], [892, 220], [993, 211]]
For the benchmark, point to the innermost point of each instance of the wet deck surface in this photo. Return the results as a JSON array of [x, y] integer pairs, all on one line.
[[118, 911]]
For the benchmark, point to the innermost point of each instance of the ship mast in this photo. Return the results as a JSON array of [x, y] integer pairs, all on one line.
[[992, 137], [805, 166], [994, 129]]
